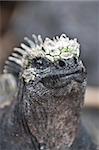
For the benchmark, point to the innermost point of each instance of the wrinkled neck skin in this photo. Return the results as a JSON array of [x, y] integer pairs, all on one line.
[[53, 115]]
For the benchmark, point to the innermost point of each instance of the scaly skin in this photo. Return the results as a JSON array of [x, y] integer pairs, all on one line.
[[45, 114]]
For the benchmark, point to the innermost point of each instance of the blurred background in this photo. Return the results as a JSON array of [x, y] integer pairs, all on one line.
[[78, 19]]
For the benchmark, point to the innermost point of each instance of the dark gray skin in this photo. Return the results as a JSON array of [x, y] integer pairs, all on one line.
[[46, 112]]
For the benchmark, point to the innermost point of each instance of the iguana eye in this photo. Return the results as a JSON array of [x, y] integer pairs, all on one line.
[[61, 63], [40, 63]]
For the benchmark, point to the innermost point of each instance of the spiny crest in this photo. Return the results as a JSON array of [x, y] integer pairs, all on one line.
[[57, 48]]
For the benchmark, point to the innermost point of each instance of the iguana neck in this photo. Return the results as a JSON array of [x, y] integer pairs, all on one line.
[[53, 121]]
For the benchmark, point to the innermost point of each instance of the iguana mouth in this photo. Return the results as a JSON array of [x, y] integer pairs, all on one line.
[[61, 80]]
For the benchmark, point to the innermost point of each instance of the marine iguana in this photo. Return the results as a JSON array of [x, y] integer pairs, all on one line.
[[45, 113]]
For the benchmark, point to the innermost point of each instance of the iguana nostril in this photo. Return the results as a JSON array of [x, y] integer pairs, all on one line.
[[61, 63], [75, 60]]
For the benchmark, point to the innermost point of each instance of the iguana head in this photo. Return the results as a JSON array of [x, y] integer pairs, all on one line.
[[54, 63], [54, 79]]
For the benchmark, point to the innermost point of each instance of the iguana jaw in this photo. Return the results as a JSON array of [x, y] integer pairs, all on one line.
[[61, 80], [58, 78]]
